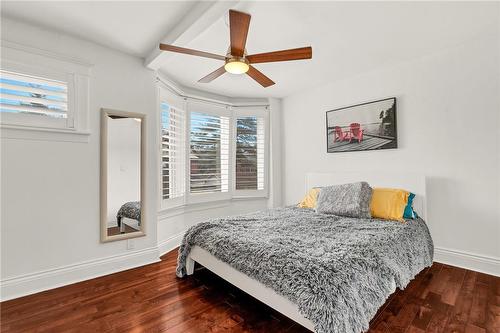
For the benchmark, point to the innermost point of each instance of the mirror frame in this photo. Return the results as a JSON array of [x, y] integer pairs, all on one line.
[[105, 113]]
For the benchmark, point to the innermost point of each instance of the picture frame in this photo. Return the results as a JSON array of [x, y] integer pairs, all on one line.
[[360, 127]]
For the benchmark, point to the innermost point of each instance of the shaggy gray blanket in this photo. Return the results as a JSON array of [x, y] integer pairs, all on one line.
[[338, 270]]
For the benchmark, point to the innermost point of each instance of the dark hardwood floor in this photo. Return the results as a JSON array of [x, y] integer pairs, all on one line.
[[151, 299], [112, 231]]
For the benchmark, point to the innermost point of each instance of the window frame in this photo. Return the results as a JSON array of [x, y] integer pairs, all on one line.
[[43, 64], [213, 109], [251, 111], [30, 120], [175, 98], [179, 103]]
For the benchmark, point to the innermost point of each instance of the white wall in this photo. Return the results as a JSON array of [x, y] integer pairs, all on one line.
[[448, 129], [50, 189], [124, 164], [275, 156]]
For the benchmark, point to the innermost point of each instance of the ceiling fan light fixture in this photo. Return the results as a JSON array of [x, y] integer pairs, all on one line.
[[236, 66]]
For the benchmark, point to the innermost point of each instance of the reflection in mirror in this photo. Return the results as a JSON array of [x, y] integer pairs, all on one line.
[[123, 175]]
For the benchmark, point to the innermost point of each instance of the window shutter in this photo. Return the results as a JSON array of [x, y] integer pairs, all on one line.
[[30, 95], [250, 153], [209, 153], [172, 151]]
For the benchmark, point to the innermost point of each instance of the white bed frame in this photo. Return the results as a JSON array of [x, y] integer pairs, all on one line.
[[412, 183]]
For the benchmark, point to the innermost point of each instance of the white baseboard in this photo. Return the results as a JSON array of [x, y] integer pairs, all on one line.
[[474, 262], [169, 244], [23, 285]]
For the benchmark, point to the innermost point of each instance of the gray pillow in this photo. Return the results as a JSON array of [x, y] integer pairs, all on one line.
[[351, 200]]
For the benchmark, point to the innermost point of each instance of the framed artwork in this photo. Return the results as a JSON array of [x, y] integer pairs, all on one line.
[[366, 126]]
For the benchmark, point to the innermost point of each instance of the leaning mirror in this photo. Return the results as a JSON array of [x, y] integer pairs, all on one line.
[[122, 175]]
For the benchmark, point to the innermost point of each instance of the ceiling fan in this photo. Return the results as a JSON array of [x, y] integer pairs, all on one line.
[[236, 60]]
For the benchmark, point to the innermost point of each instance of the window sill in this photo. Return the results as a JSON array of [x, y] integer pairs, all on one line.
[[43, 134], [250, 197], [195, 207]]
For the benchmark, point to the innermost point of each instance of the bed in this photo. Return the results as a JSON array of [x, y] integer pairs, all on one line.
[[328, 273], [130, 210]]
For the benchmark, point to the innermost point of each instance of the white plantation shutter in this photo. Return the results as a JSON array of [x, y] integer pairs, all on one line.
[[250, 138], [26, 94], [209, 153], [172, 151]]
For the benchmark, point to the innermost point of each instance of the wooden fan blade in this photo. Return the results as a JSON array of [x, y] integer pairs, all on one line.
[[212, 76], [171, 48], [285, 55], [238, 26], [259, 77]]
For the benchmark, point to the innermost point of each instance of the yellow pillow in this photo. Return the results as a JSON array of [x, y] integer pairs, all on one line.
[[310, 199], [388, 203]]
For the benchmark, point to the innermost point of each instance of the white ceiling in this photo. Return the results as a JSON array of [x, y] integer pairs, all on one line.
[[348, 38], [133, 27]]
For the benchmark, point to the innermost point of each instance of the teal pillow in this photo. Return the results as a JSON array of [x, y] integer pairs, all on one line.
[[409, 213]]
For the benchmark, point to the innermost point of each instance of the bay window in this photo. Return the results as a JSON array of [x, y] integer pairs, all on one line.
[[211, 151]]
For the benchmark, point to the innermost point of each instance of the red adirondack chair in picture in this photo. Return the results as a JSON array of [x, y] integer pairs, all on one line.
[[355, 132], [339, 134]]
